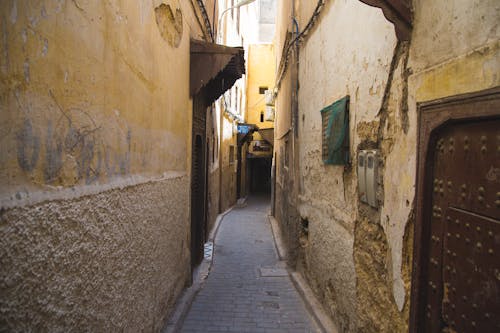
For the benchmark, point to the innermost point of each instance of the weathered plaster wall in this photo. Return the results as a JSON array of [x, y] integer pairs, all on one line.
[[228, 169], [94, 176], [334, 64], [67, 72], [114, 261], [357, 258], [454, 53], [285, 208]]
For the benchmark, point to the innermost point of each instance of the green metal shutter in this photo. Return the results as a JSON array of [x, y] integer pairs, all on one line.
[[335, 133]]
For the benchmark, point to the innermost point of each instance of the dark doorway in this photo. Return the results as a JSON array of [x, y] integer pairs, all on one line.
[[197, 203], [198, 181], [260, 174], [456, 284]]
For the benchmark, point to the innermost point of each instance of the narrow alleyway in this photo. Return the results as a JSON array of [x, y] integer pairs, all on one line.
[[248, 289]]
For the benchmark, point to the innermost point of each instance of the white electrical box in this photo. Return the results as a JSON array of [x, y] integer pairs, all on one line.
[[371, 177], [269, 113], [361, 176], [269, 97], [368, 176]]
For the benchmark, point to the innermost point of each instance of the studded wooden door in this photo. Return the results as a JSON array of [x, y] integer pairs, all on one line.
[[457, 286]]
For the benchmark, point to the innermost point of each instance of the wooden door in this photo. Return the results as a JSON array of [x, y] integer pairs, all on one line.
[[456, 281]]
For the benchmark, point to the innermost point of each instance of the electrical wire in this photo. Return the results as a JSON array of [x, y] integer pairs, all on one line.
[[282, 69], [206, 19]]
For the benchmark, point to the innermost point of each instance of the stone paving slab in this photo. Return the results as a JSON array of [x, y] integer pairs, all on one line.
[[237, 297]]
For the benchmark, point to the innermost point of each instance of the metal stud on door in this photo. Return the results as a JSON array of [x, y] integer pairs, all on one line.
[[456, 282], [466, 218]]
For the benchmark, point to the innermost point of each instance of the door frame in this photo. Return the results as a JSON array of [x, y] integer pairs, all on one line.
[[432, 116]]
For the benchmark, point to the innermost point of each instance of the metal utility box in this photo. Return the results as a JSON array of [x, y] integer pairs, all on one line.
[[269, 113], [371, 177], [367, 176]]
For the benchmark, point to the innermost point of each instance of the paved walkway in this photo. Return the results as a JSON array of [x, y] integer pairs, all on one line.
[[248, 289]]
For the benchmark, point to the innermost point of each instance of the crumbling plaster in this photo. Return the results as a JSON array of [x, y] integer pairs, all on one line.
[[453, 50], [446, 30], [334, 64]]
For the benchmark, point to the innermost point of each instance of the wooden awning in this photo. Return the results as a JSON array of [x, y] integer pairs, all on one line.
[[214, 69], [398, 12], [268, 135], [242, 137]]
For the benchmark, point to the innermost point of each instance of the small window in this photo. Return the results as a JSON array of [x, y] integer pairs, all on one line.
[[262, 116], [262, 90]]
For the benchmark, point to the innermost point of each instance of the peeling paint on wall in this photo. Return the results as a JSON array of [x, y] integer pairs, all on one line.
[[169, 23], [377, 311], [448, 54]]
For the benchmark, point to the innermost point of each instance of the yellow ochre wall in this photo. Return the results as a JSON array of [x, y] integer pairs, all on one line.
[[87, 94], [261, 73], [95, 126]]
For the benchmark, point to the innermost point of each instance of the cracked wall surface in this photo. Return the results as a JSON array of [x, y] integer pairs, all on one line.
[[359, 259], [328, 197]]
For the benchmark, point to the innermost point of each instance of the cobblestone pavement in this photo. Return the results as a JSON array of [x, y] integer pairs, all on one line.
[[247, 289]]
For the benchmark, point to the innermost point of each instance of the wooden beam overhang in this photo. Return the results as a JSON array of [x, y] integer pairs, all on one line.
[[214, 69], [398, 12], [268, 135]]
